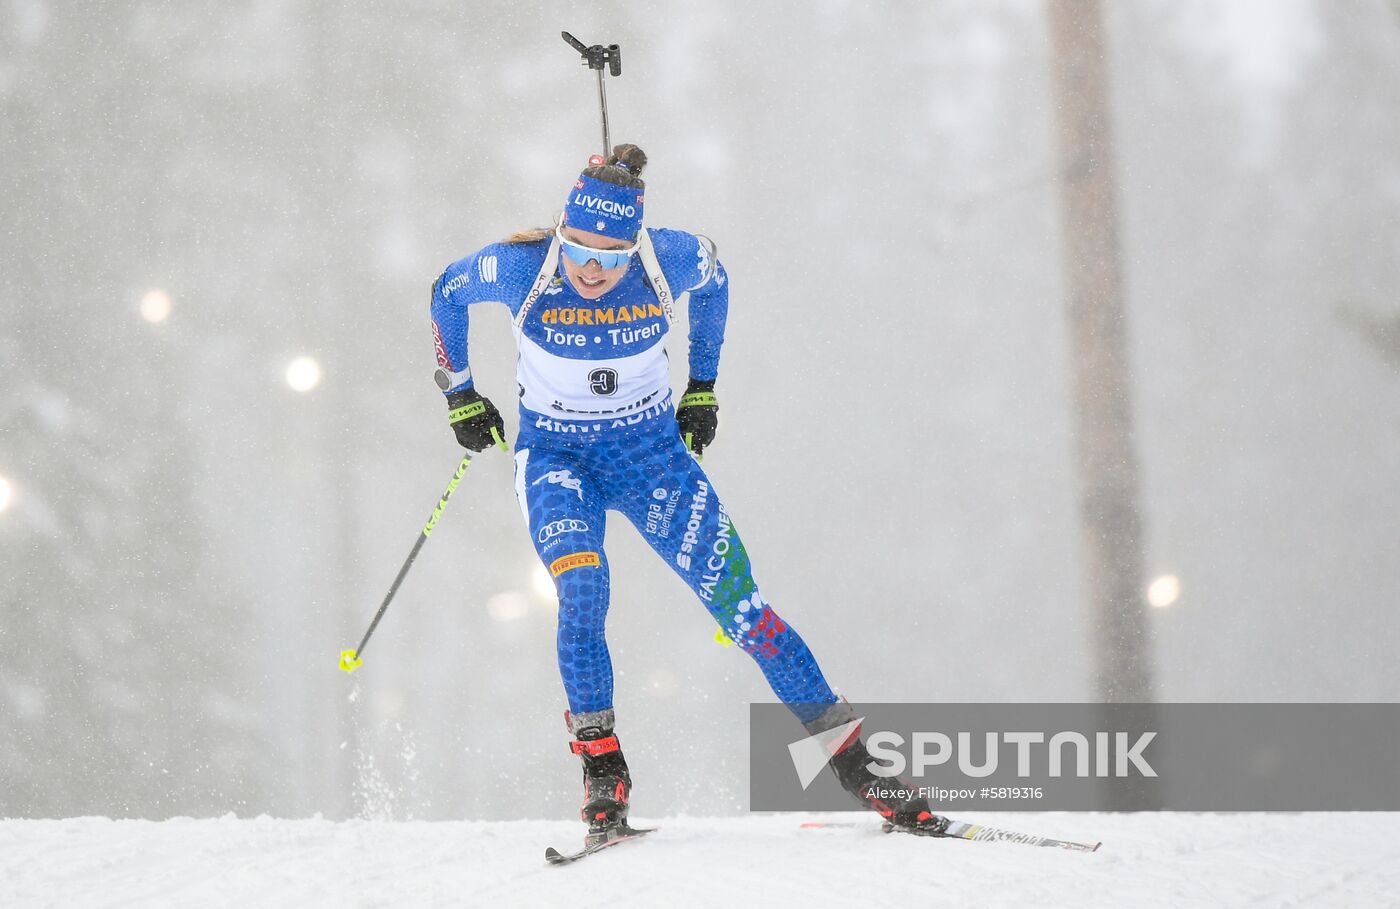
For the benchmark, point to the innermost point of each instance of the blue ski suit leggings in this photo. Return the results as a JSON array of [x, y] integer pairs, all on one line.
[[568, 475]]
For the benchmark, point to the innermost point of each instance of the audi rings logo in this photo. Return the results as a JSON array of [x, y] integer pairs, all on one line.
[[557, 528]]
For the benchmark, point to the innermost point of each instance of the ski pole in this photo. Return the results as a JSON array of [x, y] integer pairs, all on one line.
[[596, 58], [350, 660]]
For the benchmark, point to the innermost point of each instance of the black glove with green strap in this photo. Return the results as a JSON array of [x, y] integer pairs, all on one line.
[[475, 420], [698, 415]]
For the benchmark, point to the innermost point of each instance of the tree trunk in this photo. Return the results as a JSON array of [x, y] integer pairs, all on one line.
[[1110, 523]]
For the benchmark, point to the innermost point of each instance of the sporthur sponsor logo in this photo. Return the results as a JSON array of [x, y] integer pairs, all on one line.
[[698, 503]]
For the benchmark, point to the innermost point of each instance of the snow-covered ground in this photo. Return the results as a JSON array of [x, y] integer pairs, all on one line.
[[1342, 860]]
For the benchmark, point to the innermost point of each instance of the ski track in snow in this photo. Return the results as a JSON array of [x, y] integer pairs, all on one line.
[[1147, 860]]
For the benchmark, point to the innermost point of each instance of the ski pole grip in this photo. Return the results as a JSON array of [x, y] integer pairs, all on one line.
[[575, 43], [597, 57]]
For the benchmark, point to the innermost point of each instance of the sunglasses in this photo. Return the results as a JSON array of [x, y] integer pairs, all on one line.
[[606, 258]]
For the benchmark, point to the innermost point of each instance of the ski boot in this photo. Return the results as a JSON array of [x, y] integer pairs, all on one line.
[[850, 762], [607, 785]]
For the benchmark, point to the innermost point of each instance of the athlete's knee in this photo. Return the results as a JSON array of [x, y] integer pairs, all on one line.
[[754, 625], [769, 636]]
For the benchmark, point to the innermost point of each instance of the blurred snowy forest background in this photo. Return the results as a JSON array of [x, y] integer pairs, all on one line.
[[195, 194]]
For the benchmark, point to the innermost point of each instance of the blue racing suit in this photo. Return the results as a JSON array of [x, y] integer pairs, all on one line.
[[599, 433]]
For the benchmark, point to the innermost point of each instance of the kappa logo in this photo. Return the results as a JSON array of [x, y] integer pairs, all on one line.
[[486, 267], [562, 478], [703, 254], [558, 528]]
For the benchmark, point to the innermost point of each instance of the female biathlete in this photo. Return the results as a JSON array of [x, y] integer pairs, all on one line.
[[593, 300]]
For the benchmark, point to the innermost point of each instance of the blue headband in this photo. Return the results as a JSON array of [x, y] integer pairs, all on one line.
[[600, 207]]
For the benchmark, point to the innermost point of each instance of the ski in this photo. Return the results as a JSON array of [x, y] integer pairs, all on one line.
[[962, 830], [619, 835]]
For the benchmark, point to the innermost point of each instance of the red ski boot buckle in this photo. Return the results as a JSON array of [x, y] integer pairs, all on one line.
[[594, 747]]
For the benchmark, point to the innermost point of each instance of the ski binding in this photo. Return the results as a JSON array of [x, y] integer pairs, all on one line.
[[600, 841]]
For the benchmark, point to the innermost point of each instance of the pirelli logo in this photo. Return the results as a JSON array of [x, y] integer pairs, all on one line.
[[572, 561]]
